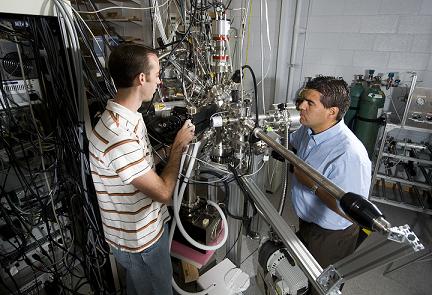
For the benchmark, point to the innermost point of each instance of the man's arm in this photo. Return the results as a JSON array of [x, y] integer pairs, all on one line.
[[161, 187], [320, 192], [161, 154]]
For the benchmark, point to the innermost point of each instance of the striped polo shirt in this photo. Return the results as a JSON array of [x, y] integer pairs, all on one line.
[[120, 151]]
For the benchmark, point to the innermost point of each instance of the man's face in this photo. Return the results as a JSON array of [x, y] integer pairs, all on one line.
[[152, 79], [313, 114]]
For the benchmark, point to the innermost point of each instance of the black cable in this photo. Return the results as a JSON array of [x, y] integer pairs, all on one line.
[[242, 188], [5, 285], [227, 194], [18, 232], [235, 242], [102, 70], [255, 92], [228, 5], [63, 107], [101, 18], [12, 279], [167, 45], [252, 253]]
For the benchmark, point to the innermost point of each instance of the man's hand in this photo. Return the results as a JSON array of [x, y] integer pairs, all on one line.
[[160, 188], [184, 137]]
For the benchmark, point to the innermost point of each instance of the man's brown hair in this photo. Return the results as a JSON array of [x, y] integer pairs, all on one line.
[[128, 61], [334, 93]]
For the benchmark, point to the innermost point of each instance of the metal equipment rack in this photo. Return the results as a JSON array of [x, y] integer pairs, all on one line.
[[407, 164]]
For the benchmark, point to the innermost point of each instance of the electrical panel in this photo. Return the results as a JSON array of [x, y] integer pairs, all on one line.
[[419, 108], [17, 58], [18, 72]]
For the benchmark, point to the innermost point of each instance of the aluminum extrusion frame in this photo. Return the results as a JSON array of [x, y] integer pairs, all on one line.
[[295, 247]]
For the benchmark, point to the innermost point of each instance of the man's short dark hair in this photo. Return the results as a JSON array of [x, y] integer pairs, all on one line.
[[334, 93], [128, 61]]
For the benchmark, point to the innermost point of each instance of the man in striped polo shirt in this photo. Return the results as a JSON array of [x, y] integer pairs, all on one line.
[[132, 197]]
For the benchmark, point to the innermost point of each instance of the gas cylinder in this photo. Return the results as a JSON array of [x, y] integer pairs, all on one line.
[[356, 91], [369, 115]]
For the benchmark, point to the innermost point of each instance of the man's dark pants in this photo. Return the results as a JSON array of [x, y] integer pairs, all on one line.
[[328, 246]]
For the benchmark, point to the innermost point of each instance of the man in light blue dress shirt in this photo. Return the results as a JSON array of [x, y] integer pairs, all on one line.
[[326, 143]]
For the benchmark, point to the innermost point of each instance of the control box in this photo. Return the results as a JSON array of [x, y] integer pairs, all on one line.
[[418, 112]]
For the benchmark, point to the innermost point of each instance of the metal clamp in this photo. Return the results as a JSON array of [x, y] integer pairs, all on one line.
[[404, 234], [330, 281]]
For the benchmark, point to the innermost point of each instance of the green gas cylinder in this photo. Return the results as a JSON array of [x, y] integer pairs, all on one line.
[[356, 91], [368, 118]]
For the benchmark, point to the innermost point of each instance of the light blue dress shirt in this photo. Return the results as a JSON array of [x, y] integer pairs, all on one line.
[[338, 155]]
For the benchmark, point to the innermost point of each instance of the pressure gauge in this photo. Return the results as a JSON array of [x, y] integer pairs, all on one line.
[[420, 100]]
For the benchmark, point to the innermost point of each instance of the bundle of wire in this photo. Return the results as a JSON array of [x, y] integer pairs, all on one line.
[[46, 156]]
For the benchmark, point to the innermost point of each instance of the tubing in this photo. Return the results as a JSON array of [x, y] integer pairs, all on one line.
[[199, 245], [178, 197], [173, 282], [285, 184], [294, 42]]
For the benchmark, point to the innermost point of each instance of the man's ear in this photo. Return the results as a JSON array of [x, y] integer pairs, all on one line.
[[142, 78], [334, 111]]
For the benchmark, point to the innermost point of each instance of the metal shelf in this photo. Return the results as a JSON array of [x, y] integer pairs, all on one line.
[[420, 192], [391, 126], [401, 205], [416, 160], [403, 181], [117, 20]]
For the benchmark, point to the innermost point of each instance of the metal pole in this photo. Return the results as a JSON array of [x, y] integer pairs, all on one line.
[[360, 210], [413, 84], [401, 242], [295, 247], [235, 234], [322, 181]]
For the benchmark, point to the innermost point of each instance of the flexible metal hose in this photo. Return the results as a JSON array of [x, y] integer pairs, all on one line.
[[285, 184]]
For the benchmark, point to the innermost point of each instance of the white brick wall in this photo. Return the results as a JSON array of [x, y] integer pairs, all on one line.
[[426, 8], [364, 7], [323, 40], [419, 24], [400, 7], [311, 69], [346, 37], [328, 56], [334, 7], [422, 43], [370, 59], [379, 24], [427, 76], [408, 61], [335, 24], [394, 42], [356, 41]]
